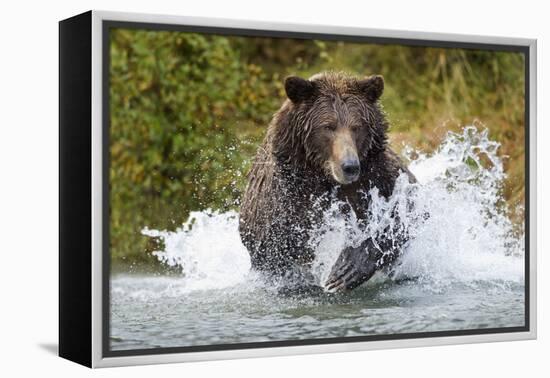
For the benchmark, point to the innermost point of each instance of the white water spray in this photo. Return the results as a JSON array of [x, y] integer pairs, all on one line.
[[466, 239]]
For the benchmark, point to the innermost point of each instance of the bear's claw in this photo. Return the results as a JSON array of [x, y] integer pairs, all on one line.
[[348, 282], [350, 270]]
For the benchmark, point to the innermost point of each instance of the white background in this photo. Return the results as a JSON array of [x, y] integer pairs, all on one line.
[[29, 174]]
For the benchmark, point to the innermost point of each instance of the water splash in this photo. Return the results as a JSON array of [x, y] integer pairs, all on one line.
[[467, 237], [208, 250]]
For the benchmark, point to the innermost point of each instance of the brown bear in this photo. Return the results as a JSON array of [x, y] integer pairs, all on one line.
[[326, 143]]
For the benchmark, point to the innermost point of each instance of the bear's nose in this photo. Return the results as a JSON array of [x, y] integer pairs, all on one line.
[[351, 168]]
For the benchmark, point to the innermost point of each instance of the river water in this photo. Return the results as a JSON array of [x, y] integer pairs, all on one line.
[[463, 268]]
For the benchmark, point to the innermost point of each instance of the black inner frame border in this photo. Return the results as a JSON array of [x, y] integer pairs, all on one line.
[[107, 25]]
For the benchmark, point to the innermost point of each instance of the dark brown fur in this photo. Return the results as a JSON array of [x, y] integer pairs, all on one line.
[[292, 172]]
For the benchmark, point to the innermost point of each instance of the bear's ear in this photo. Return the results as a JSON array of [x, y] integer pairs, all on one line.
[[298, 89], [372, 87]]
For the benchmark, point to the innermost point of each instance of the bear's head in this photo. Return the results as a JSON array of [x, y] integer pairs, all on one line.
[[331, 123]]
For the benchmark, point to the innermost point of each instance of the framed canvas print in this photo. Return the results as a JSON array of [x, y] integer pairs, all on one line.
[[234, 189]]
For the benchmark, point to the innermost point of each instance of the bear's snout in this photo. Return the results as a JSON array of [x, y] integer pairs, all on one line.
[[344, 160], [351, 169]]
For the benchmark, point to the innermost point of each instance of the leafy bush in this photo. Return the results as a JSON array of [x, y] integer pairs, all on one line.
[[180, 104]]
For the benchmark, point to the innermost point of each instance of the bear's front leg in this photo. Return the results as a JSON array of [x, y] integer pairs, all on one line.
[[354, 266]]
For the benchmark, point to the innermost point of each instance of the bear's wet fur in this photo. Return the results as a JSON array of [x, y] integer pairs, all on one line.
[[327, 142]]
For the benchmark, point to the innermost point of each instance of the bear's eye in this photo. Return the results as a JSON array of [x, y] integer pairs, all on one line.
[[330, 127]]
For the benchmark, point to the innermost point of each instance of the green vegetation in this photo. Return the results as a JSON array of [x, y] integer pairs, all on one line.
[[188, 111]]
